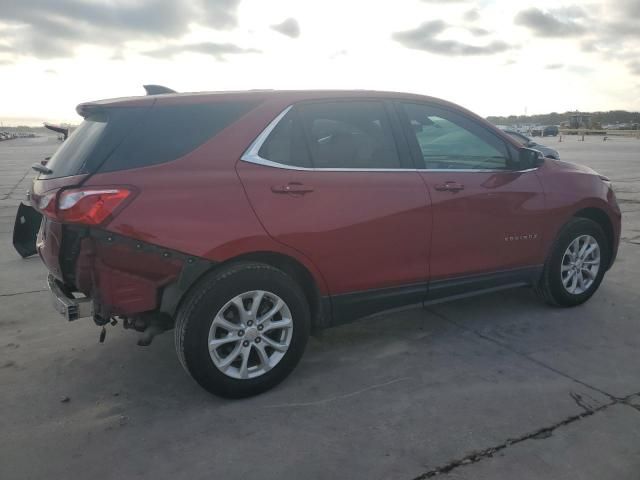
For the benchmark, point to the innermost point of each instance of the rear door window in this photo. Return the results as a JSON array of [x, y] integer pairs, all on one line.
[[286, 144], [349, 134]]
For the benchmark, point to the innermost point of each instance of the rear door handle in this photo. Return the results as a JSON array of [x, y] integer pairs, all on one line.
[[449, 187], [292, 188]]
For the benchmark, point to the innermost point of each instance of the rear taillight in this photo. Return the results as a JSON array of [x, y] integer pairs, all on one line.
[[46, 203], [89, 206]]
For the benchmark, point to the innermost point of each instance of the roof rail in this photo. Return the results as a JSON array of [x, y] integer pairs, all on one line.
[[157, 89]]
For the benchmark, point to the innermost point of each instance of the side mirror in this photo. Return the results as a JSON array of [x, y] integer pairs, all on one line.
[[528, 158]]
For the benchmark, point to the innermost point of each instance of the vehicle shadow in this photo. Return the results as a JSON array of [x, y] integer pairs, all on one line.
[[370, 350]]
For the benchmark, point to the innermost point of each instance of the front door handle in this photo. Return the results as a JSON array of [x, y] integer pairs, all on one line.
[[449, 187], [293, 188]]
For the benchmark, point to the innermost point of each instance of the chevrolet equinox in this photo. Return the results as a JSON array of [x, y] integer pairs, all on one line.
[[247, 220]]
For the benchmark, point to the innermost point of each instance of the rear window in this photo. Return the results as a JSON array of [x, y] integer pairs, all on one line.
[[71, 157], [120, 138], [170, 132]]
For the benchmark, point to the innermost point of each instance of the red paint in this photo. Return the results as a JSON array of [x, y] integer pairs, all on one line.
[[470, 225], [362, 229], [352, 231]]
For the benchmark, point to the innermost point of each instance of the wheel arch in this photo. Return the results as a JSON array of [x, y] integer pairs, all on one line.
[[592, 211], [599, 216], [319, 305]]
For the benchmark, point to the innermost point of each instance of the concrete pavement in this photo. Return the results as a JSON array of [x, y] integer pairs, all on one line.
[[500, 386]]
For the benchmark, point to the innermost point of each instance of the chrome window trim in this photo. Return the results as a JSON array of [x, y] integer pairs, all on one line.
[[251, 155]]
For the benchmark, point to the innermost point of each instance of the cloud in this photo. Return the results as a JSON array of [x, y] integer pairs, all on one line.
[[217, 50], [579, 69], [545, 24], [289, 27], [426, 29], [52, 29], [423, 38], [570, 11], [634, 67], [613, 33], [471, 15], [624, 28], [479, 32], [630, 8], [219, 14], [588, 46]]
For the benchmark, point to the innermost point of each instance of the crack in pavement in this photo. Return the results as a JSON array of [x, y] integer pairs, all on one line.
[[540, 434], [6, 197], [338, 397], [517, 352], [628, 403], [21, 293], [582, 403]]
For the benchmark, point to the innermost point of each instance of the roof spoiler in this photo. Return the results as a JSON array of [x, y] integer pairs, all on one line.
[[157, 89], [58, 129]]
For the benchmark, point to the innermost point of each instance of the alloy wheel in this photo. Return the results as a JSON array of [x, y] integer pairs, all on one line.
[[580, 264], [250, 334]]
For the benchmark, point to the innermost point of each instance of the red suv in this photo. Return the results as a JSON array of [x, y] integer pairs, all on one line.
[[246, 220]]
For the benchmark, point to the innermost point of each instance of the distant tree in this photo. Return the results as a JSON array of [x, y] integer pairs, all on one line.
[[554, 118]]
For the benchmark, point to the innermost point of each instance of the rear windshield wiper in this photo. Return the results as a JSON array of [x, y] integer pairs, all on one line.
[[38, 167]]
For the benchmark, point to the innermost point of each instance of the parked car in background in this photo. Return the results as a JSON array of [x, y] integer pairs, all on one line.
[[529, 143], [550, 131], [7, 136], [246, 220]]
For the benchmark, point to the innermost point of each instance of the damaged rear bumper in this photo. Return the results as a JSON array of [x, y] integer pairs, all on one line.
[[67, 305], [120, 275], [25, 230]]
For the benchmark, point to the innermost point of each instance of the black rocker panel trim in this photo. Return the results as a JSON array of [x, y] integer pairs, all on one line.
[[351, 306]]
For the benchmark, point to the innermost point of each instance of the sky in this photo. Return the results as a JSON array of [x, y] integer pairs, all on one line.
[[495, 57]]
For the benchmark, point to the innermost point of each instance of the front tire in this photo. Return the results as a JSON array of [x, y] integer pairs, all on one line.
[[242, 329], [577, 263]]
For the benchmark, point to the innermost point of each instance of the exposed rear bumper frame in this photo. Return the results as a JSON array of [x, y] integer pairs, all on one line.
[[69, 307]]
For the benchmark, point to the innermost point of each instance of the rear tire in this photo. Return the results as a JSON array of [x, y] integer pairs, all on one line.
[[570, 276], [242, 329]]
